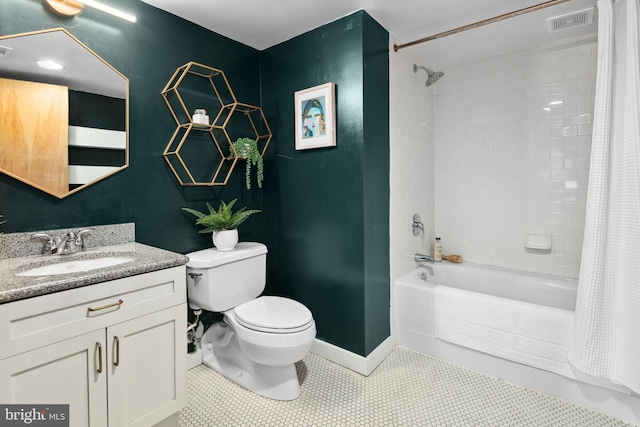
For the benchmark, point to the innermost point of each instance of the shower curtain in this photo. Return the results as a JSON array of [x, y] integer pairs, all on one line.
[[606, 340]]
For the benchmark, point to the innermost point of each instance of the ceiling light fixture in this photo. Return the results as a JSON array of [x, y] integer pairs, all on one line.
[[110, 10], [75, 7]]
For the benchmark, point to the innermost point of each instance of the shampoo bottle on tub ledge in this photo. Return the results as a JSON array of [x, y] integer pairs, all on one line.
[[437, 250]]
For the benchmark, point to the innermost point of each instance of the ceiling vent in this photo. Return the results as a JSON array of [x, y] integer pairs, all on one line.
[[570, 20], [5, 52]]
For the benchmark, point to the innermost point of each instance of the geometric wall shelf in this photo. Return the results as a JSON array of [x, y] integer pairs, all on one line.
[[258, 127], [196, 158], [203, 154]]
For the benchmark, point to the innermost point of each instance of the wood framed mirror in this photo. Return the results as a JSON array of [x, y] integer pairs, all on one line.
[[65, 129]]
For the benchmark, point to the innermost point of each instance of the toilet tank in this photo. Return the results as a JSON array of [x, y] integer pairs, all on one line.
[[220, 281]]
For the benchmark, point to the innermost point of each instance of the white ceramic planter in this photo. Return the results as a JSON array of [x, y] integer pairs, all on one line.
[[225, 240]]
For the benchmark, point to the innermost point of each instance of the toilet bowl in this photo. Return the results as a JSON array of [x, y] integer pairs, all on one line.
[[261, 337], [272, 330]]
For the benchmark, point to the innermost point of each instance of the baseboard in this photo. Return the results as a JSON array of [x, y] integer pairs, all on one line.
[[355, 362]]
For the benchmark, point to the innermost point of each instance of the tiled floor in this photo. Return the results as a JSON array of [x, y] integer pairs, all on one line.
[[407, 389]]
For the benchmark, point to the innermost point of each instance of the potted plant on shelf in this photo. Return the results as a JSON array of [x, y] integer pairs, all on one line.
[[247, 149], [223, 223]]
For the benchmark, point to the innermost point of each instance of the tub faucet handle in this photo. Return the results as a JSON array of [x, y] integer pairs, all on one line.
[[417, 225]]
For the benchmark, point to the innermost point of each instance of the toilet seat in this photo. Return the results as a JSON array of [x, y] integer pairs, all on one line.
[[274, 315]]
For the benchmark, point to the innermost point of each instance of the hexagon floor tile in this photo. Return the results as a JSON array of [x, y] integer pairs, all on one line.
[[407, 389]]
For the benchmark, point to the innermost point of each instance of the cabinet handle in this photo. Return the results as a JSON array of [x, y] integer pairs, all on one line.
[[99, 357], [115, 304], [117, 361]]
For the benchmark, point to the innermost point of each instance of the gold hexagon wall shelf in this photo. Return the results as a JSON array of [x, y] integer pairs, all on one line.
[[248, 121], [199, 86], [184, 154], [196, 86]]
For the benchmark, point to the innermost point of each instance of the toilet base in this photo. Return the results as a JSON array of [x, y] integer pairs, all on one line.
[[222, 352]]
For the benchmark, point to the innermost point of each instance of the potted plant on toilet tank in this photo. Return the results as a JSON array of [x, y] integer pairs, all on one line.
[[223, 223]]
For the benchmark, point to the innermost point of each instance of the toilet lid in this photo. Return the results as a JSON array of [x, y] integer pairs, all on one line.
[[274, 314]]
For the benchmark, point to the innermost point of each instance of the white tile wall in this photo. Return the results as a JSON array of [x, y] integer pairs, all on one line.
[[512, 149], [411, 160]]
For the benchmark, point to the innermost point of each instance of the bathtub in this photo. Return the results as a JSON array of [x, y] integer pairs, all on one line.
[[420, 294]]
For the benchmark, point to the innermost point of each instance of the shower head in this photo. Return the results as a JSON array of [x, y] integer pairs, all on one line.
[[432, 76]]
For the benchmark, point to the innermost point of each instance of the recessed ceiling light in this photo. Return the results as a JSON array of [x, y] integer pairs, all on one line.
[[49, 65]]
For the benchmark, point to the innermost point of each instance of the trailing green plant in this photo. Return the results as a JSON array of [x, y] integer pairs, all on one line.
[[222, 219], [247, 148]]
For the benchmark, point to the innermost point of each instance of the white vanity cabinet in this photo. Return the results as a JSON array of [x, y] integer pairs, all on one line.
[[114, 351]]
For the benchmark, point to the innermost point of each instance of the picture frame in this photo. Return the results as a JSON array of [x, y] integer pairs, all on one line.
[[315, 123]]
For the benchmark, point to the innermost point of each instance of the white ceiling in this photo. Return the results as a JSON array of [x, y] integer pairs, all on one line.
[[265, 23], [83, 70]]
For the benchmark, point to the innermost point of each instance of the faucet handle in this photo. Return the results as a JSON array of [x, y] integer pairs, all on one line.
[[46, 236], [417, 225], [53, 241], [80, 236]]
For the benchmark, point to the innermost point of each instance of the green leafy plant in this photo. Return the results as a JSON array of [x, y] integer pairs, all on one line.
[[222, 219], [247, 148]]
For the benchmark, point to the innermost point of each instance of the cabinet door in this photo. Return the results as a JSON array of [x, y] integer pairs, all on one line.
[[66, 372], [147, 367]]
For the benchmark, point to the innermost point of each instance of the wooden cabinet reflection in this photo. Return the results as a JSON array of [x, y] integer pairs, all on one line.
[[35, 122]]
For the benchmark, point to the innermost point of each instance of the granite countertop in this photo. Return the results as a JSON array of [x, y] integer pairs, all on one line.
[[145, 259]]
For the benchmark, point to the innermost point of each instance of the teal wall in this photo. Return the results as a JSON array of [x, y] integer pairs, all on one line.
[[329, 241], [146, 193], [325, 211]]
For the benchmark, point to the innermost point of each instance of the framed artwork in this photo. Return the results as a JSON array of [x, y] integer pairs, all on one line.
[[316, 117]]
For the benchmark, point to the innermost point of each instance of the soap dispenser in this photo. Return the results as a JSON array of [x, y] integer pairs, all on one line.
[[437, 250]]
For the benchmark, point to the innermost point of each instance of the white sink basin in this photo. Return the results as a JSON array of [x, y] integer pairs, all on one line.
[[75, 266]]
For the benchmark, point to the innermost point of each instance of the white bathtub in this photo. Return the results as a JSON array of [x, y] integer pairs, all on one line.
[[415, 328]]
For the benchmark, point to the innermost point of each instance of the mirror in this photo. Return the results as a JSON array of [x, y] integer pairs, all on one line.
[[62, 130]]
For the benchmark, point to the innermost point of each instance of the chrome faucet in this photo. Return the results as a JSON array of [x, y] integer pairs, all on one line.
[[422, 258], [69, 244], [66, 243]]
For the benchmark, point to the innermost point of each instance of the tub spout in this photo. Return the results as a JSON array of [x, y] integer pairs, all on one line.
[[422, 258]]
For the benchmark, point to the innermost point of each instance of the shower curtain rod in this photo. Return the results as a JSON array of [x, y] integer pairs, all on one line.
[[480, 23]]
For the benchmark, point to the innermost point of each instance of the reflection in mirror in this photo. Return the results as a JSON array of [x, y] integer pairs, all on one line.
[[61, 129]]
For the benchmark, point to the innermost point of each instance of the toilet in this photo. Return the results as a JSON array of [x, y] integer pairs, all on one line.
[[261, 337]]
